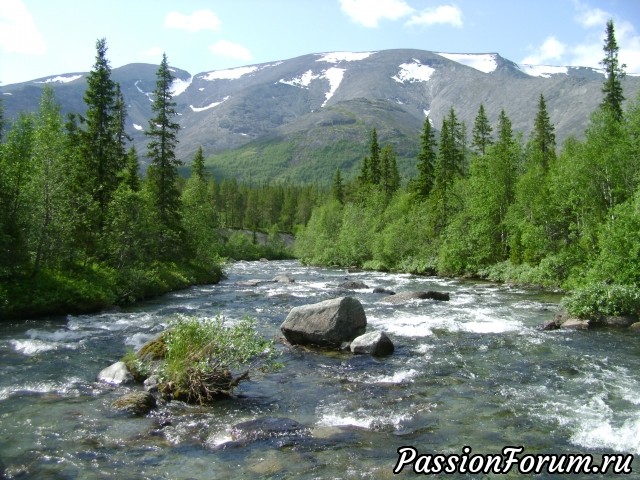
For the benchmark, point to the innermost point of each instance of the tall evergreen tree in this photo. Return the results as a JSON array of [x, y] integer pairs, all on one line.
[[389, 177], [544, 137], [612, 88], [103, 137], [426, 161], [197, 166], [131, 175], [365, 172], [163, 171], [481, 132], [338, 188], [374, 159]]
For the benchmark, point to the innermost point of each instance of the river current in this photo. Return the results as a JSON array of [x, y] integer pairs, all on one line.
[[475, 371]]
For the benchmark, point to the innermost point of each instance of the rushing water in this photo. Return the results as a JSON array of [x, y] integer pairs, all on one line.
[[475, 371]]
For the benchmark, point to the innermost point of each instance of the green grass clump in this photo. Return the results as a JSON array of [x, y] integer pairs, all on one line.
[[200, 354]]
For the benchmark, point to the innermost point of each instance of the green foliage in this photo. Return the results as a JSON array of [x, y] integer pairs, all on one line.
[[201, 352], [597, 299], [612, 88]]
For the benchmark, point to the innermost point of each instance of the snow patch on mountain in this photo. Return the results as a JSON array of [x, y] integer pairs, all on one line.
[[148, 94], [413, 72], [544, 71], [211, 105], [336, 57], [61, 79], [334, 75], [179, 86], [230, 74], [138, 127], [483, 62], [303, 80]]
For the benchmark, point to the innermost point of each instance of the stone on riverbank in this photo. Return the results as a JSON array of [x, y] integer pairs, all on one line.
[[326, 324]]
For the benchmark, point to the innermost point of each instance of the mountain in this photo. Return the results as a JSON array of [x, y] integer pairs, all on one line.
[[302, 118]]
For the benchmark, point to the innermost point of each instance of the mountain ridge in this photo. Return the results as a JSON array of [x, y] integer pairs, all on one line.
[[318, 100]]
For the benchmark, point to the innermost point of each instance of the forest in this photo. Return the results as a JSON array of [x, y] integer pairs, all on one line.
[[82, 229], [502, 207]]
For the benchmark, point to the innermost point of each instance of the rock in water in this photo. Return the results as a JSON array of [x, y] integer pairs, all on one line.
[[353, 285], [326, 324], [405, 297], [373, 343], [135, 403], [116, 374]]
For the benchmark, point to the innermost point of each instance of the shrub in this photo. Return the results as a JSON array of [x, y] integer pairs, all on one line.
[[599, 299]]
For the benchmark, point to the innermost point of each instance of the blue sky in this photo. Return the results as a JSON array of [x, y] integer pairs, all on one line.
[[39, 38]]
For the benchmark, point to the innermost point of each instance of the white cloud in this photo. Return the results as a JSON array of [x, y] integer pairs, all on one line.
[[551, 50], [369, 12], [18, 31], [153, 52], [444, 14], [231, 50], [198, 20]]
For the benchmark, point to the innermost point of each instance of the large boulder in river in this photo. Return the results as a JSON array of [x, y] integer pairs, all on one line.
[[404, 297], [353, 285], [325, 324], [373, 343], [116, 374]]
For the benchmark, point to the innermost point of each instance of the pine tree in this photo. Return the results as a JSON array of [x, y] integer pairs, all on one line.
[[612, 88], [337, 188], [365, 172], [426, 161], [481, 132], [544, 138], [103, 137], [131, 175], [163, 171]]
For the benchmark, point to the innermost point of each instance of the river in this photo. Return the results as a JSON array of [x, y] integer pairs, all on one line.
[[475, 371]]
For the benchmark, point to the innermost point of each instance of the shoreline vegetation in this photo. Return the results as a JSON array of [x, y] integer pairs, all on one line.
[[81, 230]]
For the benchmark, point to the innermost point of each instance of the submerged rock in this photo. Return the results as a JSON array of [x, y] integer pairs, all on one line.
[[135, 403], [353, 285], [383, 291], [404, 297], [116, 374], [619, 321], [283, 279], [264, 428], [575, 324], [328, 323], [373, 343]]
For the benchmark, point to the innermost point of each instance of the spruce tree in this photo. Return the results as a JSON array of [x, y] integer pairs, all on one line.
[[197, 166], [163, 171], [612, 88], [338, 188], [103, 137], [544, 138], [374, 159], [426, 161], [481, 135], [390, 179], [131, 176]]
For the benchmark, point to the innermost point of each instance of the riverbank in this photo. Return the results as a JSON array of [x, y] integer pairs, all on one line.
[[96, 287]]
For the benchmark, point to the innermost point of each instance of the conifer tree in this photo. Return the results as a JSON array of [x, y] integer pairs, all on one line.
[[338, 188], [612, 88], [426, 161], [390, 179], [481, 135], [544, 138], [374, 159], [131, 175], [197, 166], [163, 171], [103, 137], [365, 172]]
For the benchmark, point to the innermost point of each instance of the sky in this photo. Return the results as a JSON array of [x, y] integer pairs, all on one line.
[[40, 38]]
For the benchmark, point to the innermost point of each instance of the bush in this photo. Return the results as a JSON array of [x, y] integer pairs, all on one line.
[[201, 353], [599, 299]]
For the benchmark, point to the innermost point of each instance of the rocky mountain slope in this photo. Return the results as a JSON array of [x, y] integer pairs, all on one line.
[[302, 118]]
